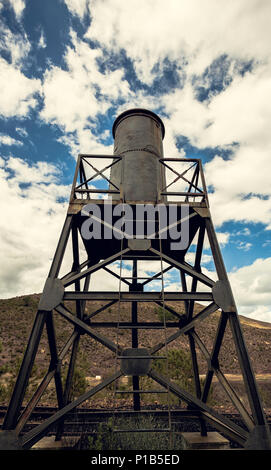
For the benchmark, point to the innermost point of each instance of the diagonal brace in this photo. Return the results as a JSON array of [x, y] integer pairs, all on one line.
[[240, 433], [186, 268], [79, 323], [94, 268], [30, 438]]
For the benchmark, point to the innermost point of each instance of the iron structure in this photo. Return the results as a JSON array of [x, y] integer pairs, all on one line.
[[139, 174]]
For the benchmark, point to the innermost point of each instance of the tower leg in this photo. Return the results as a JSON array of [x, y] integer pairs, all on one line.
[[261, 427], [135, 378], [189, 312], [80, 309], [45, 309], [24, 373]]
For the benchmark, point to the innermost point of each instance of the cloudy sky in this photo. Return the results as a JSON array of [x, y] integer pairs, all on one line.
[[69, 67]]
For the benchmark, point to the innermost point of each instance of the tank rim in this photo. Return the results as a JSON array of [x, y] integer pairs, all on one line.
[[138, 111]]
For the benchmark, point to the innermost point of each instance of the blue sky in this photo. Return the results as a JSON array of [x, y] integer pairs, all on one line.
[[69, 67]]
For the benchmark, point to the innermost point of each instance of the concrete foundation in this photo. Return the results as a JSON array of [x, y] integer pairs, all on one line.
[[213, 441], [49, 443]]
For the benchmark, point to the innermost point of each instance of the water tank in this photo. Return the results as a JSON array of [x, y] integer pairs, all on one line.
[[138, 138]]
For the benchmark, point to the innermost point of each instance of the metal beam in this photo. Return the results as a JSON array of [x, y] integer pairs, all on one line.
[[138, 296], [43, 385], [33, 436], [199, 317], [214, 354], [193, 352], [226, 386], [24, 373], [248, 374], [191, 183], [98, 172], [61, 247], [134, 325], [86, 329], [197, 265], [94, 268], [170, 309], [229, 427], [71, 273], [99, 310], [196, 378], [205, 312], [224, 425], [134, 334], [156, 275], [186, 268], [54, 358], [169, 340], [116, 275], [234, 399], [241, 349], [75, 177]]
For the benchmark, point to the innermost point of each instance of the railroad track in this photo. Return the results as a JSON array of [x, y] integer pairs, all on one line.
[[84, 422], [95, 416], [90, 417]]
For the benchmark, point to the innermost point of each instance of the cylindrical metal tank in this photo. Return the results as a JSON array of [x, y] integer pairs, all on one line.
[[138, 136]]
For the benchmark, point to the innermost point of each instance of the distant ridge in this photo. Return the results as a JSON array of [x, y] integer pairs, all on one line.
[[16, 320]]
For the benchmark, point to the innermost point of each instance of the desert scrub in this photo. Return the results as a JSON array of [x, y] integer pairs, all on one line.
[[79, 383], [165, 314], [178, 368], [107, 437]]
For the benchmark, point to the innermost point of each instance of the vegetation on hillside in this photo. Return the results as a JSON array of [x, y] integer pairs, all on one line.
[[93, 359]]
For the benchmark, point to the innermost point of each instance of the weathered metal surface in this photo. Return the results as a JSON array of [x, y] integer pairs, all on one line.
[[52, 294], [259, 438], [137, 362], [10, 441], [138, 135], [223, 297], [139, 245], [138, 296]]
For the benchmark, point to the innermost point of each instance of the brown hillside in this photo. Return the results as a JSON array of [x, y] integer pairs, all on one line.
[[17, 315]]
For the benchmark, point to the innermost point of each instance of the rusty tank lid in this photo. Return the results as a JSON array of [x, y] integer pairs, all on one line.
[[139, 112]]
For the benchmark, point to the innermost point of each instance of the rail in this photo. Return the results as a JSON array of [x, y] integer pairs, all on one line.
[[184, 176]]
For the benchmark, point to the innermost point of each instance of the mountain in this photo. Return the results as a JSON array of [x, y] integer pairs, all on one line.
[[16, 320]]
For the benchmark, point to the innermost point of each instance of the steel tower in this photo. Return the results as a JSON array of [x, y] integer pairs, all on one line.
[[140, 183]]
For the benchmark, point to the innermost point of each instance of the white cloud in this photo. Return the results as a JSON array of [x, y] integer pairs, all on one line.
[[251, 288], [194, 34], [76, 7], [18, 6], [245, 246], [73, 98], [240, 112], [83, 141], [7, 140], [222, 238], [30, 224], [41, 172], [15, 44], [17, 91], [241, 191], [21, 131], [192, 29], [42, 42], [244, 232]]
